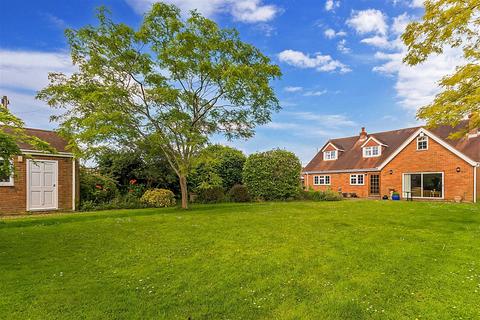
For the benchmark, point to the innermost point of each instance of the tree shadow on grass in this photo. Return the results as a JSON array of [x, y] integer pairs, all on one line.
[[46, 220]]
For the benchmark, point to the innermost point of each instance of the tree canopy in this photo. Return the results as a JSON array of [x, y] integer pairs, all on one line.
[[172, 82], [449, 23]]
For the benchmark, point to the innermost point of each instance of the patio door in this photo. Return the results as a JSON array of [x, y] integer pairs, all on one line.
[[374, 184], [423, 185], [42, 180]]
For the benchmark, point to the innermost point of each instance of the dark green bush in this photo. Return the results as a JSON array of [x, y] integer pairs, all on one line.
[[238, 193], [96, 188], [126, 201], [210, 195], [273, 175]]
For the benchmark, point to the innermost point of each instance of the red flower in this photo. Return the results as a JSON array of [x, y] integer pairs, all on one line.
[[99, 187], [133, 181]]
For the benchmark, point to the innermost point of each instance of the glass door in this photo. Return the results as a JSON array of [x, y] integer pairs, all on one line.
[[423, 185], [374, 184]]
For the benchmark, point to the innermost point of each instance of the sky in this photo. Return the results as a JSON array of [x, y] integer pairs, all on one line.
[[341, 61]]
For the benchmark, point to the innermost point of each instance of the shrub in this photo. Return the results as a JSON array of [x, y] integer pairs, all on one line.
[[96, 188], [239, 193], [119, 202], [330, 195], [210, 195], [273, 175], [327, 195], [159, 198]]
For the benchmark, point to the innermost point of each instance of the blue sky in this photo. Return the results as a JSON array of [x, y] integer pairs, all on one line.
[[341, 61]]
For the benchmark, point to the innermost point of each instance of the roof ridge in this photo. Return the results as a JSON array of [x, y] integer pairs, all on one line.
[[44, 130], [370, 134]]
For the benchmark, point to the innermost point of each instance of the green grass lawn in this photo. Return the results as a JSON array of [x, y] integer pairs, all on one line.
[[296, 260]]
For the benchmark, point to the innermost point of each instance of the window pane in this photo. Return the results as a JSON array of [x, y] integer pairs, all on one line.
[[327, 179], [416, 185], [360, 179], [432, 185], [353, 179]]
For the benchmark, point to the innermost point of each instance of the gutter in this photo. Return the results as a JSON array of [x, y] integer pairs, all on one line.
[[344, 171]]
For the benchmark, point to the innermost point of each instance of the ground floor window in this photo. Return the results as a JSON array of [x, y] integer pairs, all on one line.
[[321, 180], [423, 185], [6, 180], [356, 179]]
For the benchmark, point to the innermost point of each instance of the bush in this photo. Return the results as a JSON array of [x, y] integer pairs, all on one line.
[[158, 198], [327, 195], [210, 195], [96, 188], [273, 175], [238, 193], [119, 202]]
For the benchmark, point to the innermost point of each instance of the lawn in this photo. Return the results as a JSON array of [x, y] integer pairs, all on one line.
[[295, 260]]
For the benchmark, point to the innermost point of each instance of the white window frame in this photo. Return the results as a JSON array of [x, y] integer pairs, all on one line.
[[424, 139], [330, 155], [368, 152], [423, 173], [355, 182], [317, 180], [11, 182]]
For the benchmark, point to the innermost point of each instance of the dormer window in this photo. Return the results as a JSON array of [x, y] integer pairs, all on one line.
[[373, 151], [422, 142], [330, 155]]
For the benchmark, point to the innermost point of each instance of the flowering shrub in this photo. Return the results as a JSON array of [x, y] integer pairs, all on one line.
[[96, 188], [159, 198]]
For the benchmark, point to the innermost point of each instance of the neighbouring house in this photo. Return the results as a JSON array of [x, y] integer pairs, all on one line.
[[417, 163], [40, 181]]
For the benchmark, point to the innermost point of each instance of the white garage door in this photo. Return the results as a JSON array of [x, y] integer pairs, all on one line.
[[42, 177]]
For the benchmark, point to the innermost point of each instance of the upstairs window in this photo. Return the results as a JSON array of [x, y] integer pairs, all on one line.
[[321, 180], [422, 142], [5, 180], [357, 179], [330, 155], [374, 151]]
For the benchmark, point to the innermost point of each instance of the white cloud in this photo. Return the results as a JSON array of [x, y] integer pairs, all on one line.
[[29, 69], [315, 93], [342, 46], [417, 86], [22, 73], [323, 63], [367, 21], [330, 33], [331, 5], [400, 23], [327, 120], [377, 41], [417, 3], [293, 89], [248, 11]]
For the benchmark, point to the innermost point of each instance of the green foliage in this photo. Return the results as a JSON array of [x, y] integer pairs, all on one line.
[[218, 166], [210, 195], [238, 193], [11, 133], [272, 175], [126, 201], [159, 198], [327, 195], [172, 83], [95, 187], [449, 23], [147, 168]]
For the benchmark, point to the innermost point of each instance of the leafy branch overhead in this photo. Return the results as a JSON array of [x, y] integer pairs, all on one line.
[[172, 82], [449, 23]]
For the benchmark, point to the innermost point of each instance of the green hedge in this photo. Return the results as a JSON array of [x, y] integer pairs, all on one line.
[[273, 175]]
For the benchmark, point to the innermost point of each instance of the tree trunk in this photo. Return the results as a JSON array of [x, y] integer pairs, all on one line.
[[183, 188]]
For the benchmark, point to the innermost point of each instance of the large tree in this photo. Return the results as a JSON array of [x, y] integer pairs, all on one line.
[[172, 82], [449, 23]]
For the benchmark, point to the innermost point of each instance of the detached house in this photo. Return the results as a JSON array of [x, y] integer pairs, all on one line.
[[416, 162], [40, 181]]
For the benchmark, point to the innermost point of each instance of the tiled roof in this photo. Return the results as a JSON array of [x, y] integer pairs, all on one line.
[[352, 158], [49, 136]]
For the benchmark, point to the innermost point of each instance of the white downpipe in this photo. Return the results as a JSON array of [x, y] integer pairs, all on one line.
[[74, 184], [475, 184]]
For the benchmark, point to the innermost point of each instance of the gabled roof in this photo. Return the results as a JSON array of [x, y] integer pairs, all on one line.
[[49, 136], [352, 158], [330, 143], [374, 139]]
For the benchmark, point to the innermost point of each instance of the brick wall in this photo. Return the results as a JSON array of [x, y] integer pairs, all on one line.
[[341, 180], [436, 159], [14, 199]]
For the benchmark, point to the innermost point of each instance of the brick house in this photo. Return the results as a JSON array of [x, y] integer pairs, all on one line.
[[415, 162], [41, 181]]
